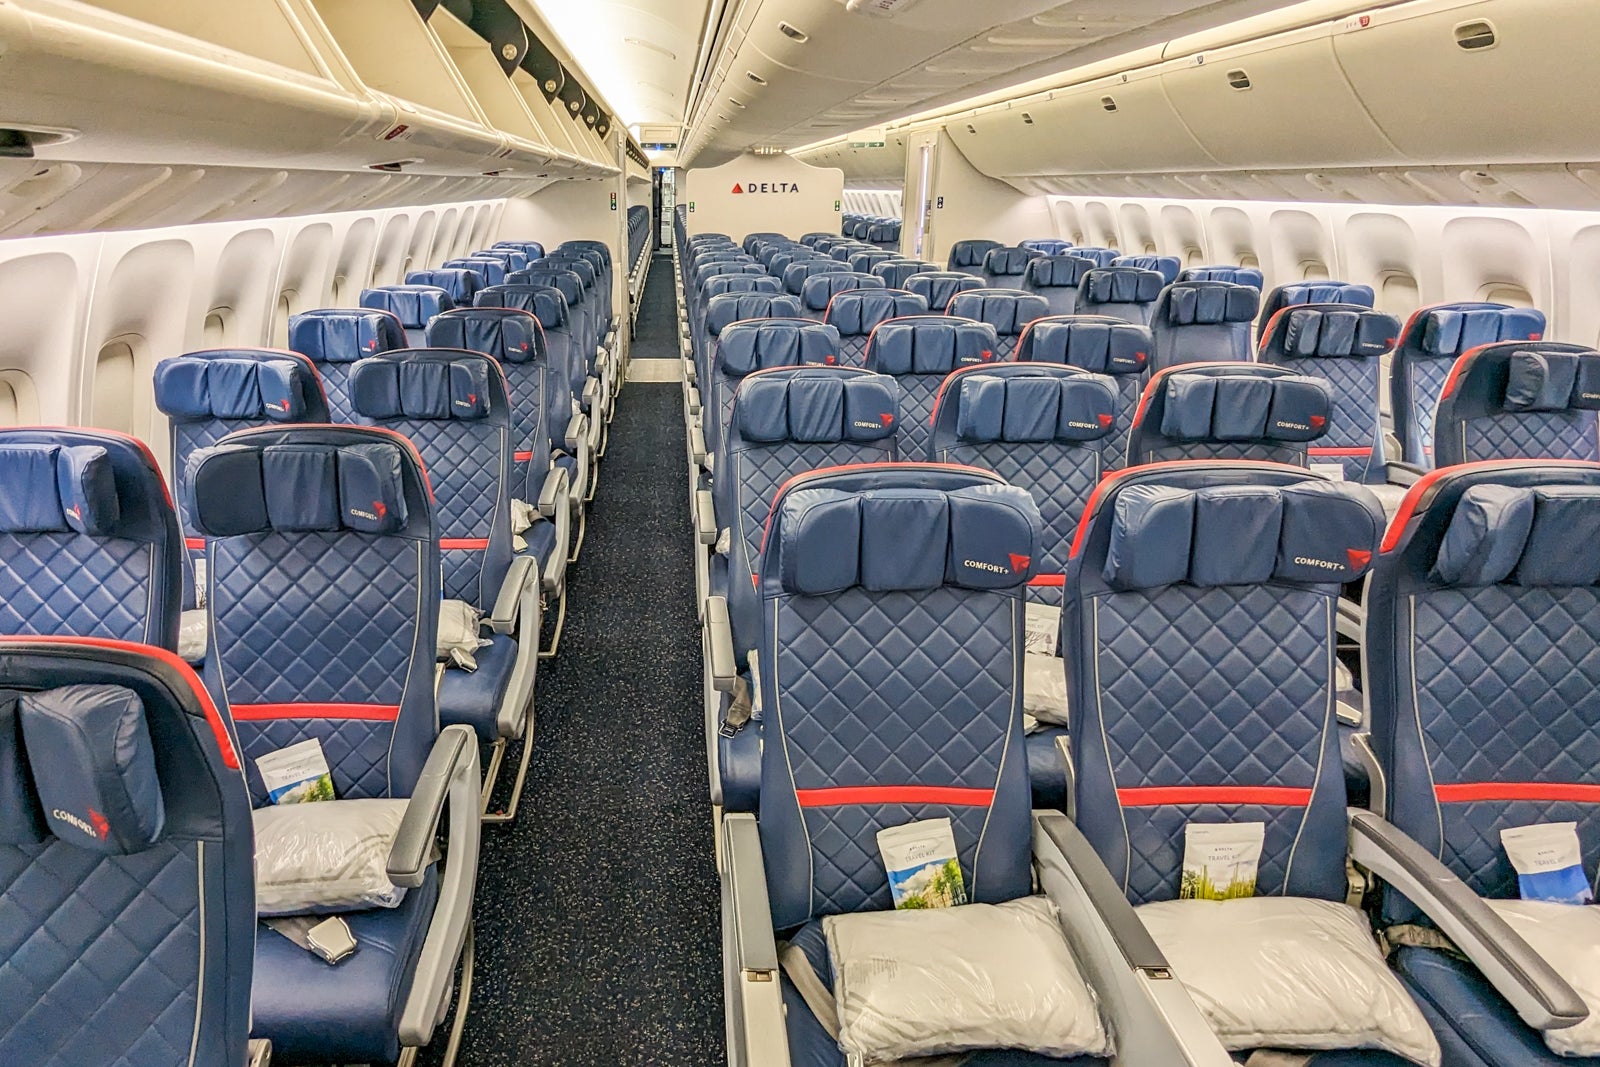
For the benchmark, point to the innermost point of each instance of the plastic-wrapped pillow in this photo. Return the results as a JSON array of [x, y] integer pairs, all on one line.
[[1566, 936], [194, 635], [979, 976], [325, 857], [1289, 973], [458, 634], [1044, 688]]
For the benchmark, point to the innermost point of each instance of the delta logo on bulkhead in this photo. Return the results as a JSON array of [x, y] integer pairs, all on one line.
[[741, 188]]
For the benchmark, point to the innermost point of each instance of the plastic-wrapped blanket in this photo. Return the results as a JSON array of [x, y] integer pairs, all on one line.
[[1568, 937], [459, 642]]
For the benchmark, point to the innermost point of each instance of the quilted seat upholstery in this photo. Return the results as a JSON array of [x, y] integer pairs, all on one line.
[[856, 313], [1229, 411], [1100, 344], [334, 338], [919, 351], [1008, 310], [1203, 322], [1520, 400]]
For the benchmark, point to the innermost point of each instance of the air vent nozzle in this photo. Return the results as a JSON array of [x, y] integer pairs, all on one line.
[[1108, 103], [1475, 36], [1239, 79], [792, 33], [1027, 119]]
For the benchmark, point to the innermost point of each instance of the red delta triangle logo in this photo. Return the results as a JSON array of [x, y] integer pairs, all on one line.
[[1105, 420], [1318, 421], [739, 189], [102, 825], [1358, 557], [886, 418], [1019, 563], [380, 508]]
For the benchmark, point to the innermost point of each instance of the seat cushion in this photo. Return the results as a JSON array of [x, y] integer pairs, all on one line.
[[348, 1012], [541, 541], [1475, 1024], [810, 1045], [1047, 770], [473, 698]]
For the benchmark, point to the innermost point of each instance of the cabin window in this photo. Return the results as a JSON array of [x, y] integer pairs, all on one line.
[[280, 319], [1249, 259], [19, 403], [1314, 270], [1150, 249], [1506, 293], [1398, 295], [215, 334], [111, 406], [1193, 257], [336, 293], [10, 408]]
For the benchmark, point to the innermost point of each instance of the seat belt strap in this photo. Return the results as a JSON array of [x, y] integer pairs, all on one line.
[[740, 708], [1412, 935], [326, 937]]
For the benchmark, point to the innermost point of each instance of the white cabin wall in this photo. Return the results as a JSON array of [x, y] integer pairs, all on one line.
[[973, 206], [90, 314]]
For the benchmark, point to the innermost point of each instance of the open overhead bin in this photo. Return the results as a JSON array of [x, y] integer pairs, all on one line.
[[501, 104]]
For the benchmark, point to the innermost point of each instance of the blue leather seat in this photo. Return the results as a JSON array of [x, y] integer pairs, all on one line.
[[595, 277], [752, 239], [919, 352], [1297, 294], [1003, 268], [843, 252], [412, 305], [818, 291], [532, 249], [856, 313], [514, 259], [885, 233], [796, 273], [939, 287], [1232, 275], [1102, 345], [1126, 293], [724, 310], [323, 569], [569, 278], [812, 238], [1429, 345], [1049, 246], [1229, 411], [1213, 555], [89, 540], [966, 257], [1203, 322], [1167, 266], [1483, 689], [896, 272], [208, 395], [1056, 278], [581, 346], [516, 340], [1048, 429], [750, 345], [491, 270], [863, 262], [462, 283], [1520, 400], [715, 287], [1008, 310], [1103, 257], [785, 422], [1342, 344], [334, 338], [454, 407], [127, 887], [778, 261], [598, 253]]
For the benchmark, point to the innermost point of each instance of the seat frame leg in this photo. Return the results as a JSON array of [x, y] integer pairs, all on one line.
[[458, 1026], [561, 622], [497, 818], [577, 541]]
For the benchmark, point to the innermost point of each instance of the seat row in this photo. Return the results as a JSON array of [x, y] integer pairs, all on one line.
[[372, 540]]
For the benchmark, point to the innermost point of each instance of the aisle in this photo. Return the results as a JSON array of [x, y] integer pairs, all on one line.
[[597, 913]]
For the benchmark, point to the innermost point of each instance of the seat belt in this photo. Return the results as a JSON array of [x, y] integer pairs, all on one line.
[[326, 937], [739, 708], [819, 998]]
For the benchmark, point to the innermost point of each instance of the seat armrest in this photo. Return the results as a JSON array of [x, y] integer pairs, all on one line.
[[705, 517], [591, 394], [577, 434], [697, 440], [751, 986], [552, 493], [520, 576], [1150, 1011], [1539, 994], [557, 489], [719, 644], [1406, 474], [412, 850], [452, 771], [694, 400], [258, 1053]]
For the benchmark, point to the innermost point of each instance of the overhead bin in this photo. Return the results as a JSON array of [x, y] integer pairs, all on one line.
[[486, 80]]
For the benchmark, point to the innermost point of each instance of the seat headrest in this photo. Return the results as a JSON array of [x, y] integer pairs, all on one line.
[[939, 287], [1120, 285], [1103, 257], [824, 541], [102, 792], [513, 259], [1166, 266], [413, 305], [1546, 536], [1049, 246], [896, 272], [795, 275], [460, 282], [242, 385], [437, 385], [532, 249], [572, 263], [729, 308], [1007, 310], [817, 290], [862, 262], [970, 253], [1021, 409], [740, 283], [1243, 407], [1009, 262], [1446, 332], [1329, 331], [1211, 303], [760, 344], [241, 488], [1236, 275], [1314, 531], [344, 336], [556, 277], [817, 407], [547, 305], [598, 248], [58, 488], [1105, 346], [1552, 381], [1321, 293], [857, 312], [490, 271], [1057, 272], [507, 334], [930, 344]]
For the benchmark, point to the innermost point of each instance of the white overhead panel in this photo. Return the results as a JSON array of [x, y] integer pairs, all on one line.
[[639, 53]]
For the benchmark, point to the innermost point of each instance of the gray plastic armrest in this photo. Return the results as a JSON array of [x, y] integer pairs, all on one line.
[[752, 988], [434, 976], [719, 640], [1540, 995], [552, 493], [705, 517], [577, 434], [557, 490], [1407, 474], [412, 850], [258, 1053], [694, 401], [591, 392], [697, 439], [1108, 900], [502, 619]]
